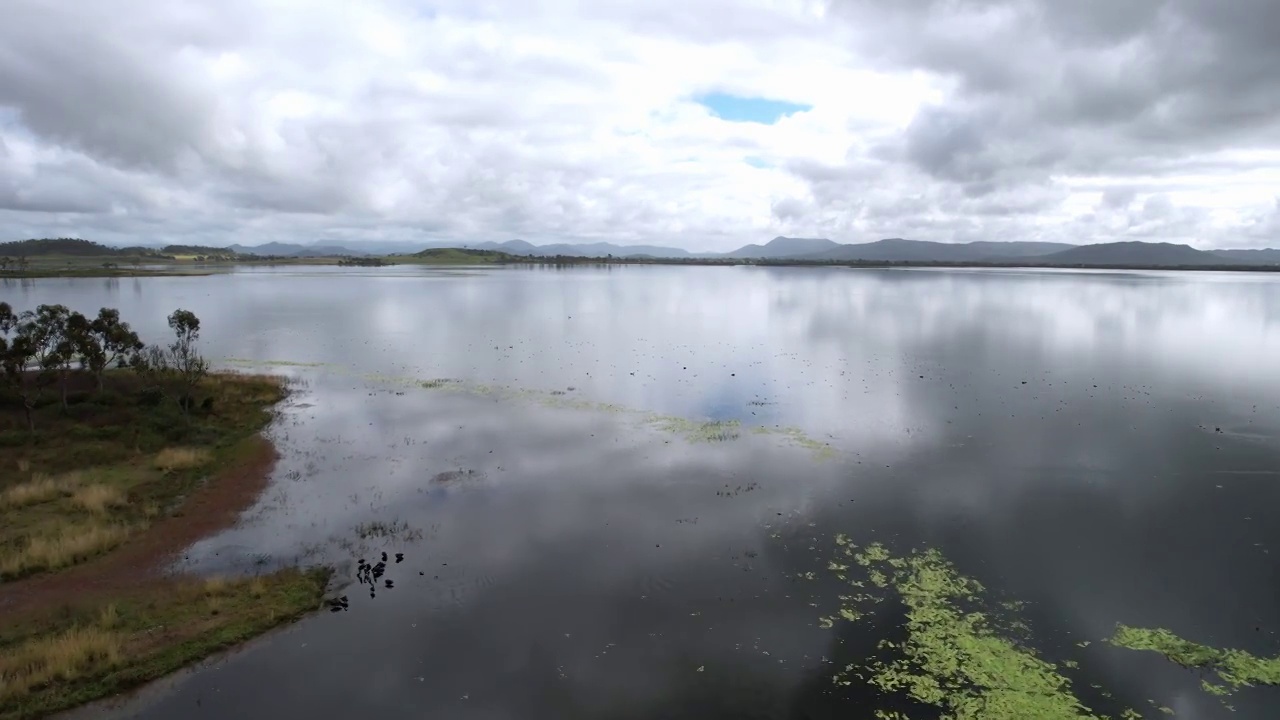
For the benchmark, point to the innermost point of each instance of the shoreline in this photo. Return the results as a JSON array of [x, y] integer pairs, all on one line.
[[160, 622], [394, 261], [214, 507]]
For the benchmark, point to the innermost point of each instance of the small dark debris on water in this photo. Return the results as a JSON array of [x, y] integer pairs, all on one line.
[[399, 557], [384, 557], [453, 475], [390, 584]]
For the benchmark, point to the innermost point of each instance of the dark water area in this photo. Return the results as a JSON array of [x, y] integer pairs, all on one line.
[[576, 542]]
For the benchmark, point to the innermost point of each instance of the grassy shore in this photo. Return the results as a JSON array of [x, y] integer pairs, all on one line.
[[90, 272], [92, 506]]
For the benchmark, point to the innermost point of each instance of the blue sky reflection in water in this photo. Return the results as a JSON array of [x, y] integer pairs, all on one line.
[[1100, 446]]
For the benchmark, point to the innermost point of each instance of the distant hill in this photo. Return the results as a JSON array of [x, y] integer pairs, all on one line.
[[596, 250], [1015, 248], [455, 256], [900, 250], [1262, 256], [296, 250], [57, 246], [195, 250], [784, 247], [1136, 254]]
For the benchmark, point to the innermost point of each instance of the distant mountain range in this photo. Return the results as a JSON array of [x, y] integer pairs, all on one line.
[[898, 250], [1138, 254], [892, 250]]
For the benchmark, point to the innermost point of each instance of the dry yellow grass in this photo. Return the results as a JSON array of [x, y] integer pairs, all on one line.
[[257, 587], [99, 498], [39, 489], [216, 585], [72, 544], [109, 617], [182, 458], [66, 656]]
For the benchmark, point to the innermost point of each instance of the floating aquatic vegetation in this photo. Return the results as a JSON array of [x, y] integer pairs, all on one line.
[[697, 430], [956, 657], [798, 437], [1234, 669], [272, 363], [692, 430]]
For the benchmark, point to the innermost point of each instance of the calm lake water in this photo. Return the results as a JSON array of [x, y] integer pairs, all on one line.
[[616, 491]]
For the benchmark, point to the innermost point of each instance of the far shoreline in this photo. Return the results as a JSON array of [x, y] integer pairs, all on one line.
[[463, 257]]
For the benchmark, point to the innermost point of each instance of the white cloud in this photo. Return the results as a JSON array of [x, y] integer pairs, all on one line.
[[257, 120]]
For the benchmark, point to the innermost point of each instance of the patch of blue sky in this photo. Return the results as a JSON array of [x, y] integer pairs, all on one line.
[[736, 108]]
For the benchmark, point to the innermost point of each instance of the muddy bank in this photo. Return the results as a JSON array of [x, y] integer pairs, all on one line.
[[138, 565]]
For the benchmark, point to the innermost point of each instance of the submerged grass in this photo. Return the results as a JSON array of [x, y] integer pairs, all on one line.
[[271, 363], [697, 431]]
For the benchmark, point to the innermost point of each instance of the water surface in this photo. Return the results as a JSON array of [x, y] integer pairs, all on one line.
[[1100, 446]]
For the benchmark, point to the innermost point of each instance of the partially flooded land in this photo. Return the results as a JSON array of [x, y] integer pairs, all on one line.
[[95, 502], [727, 493]]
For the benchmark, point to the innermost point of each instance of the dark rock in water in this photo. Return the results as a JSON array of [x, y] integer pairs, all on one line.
[[399, 557], [384, 557], [421, 573], [389, 585], [336, 608]]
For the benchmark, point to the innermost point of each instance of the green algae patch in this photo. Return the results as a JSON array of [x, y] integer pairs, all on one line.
[[700, 431], [272, 363], [798, 437], [956, 657], [1234, 669]]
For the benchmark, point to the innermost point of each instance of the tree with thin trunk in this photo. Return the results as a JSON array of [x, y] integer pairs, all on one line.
[[45, 331], [109, 342], [188, 365], [55, 348], [17, 353]]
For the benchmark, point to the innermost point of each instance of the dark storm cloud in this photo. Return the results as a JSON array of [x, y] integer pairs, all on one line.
[[77, 85], [1092, 84]]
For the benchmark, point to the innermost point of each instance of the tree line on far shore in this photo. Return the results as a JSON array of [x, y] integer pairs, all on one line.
[[45, 347]]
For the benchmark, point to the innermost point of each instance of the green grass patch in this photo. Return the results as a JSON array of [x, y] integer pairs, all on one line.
[[103, 469], [78, 653]]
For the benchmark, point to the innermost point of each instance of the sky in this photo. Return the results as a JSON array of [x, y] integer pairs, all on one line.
[[701, 124]]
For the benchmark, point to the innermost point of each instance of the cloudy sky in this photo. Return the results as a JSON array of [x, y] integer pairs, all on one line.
[[704, 124]]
